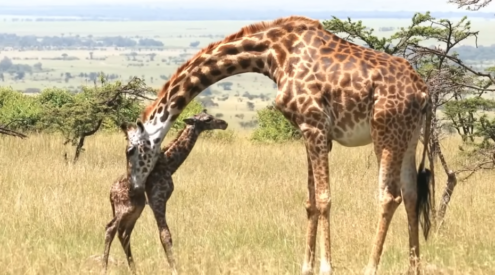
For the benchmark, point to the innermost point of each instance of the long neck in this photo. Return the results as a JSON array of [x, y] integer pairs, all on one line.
[[179, 149], [216, 62]]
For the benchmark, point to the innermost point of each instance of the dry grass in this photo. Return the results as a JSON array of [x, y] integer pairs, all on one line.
[[237, 209]]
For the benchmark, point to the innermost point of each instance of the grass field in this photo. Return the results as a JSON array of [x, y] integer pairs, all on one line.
[[237, 209]]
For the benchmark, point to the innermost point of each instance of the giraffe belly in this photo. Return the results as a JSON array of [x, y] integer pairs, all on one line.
[[359, 135]]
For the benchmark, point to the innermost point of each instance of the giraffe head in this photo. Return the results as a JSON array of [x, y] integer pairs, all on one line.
[[204, 121], [138, 153]]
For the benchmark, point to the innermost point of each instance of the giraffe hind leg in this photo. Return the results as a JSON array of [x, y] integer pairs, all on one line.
[[111, 229], [409, 189], [389, 199]]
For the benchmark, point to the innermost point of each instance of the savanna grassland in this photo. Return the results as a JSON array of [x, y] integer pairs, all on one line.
[[237, 208]]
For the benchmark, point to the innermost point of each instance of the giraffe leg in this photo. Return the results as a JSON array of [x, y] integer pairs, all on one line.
[[318, 148], [390, 198], [125, 241], [157, 199], [109, 235], [311, 231], [410, 196], [127, 226]]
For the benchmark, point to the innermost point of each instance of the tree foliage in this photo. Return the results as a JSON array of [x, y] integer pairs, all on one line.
[[473, 5]]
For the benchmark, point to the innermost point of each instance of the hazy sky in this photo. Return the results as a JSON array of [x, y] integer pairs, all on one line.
[[365, 5]]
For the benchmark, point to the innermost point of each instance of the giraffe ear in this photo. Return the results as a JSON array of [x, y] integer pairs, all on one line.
[[140, 125], [204, 111], [189, 120], [123, 127]]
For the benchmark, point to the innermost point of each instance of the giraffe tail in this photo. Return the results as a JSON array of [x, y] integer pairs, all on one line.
[[423, 205]]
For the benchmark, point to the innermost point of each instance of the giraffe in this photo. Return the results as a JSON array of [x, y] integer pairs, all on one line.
[[331, 90], [127, 204]]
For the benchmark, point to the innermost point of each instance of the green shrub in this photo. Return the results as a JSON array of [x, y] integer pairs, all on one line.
[[274, 127], [18, 111]]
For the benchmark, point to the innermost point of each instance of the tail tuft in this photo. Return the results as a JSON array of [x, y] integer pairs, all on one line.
[[423, 204]]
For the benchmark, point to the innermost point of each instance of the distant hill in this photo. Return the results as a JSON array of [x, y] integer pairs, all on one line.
[[151, 13]]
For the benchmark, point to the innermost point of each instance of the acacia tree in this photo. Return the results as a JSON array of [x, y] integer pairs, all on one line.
[[81, 115], [473, 5], [457, 89]]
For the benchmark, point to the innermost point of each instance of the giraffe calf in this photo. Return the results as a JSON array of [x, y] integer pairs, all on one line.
[[127, 204]]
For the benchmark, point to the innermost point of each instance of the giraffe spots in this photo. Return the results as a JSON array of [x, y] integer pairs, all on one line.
[[350, 64], [251, 46], [215, 71], [164, 116], [203, 79], [244, 63], [307, 37], [179, 103], [288, 28], [345, 80], [160, 109], [358, 55], [260, 64], [314, 87], [178, 79], [228, 50], [230, 69], [275, 34], [281, 55], [326, 50], [172, 92], [287, 43]]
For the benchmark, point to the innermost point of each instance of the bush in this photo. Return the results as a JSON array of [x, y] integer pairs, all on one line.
[[274, 127], [18, 111]]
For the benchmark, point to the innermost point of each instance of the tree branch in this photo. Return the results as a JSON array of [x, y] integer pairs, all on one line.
[[5, 131]]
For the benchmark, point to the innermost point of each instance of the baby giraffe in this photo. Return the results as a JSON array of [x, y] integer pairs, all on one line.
[[127, 205]]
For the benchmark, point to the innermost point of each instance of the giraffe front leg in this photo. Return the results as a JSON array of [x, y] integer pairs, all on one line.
[[318, 147], [125, 241], [157, 198], [311, 230]]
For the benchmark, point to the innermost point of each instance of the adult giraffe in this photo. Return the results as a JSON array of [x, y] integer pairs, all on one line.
[[331, 90]]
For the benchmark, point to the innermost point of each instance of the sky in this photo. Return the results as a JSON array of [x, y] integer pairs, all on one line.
[[306, 5]]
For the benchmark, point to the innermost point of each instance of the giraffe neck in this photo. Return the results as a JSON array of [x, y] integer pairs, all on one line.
[[179, 149], [249, 54]]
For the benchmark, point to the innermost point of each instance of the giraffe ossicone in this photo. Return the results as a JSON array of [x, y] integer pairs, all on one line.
[[332, 90]]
